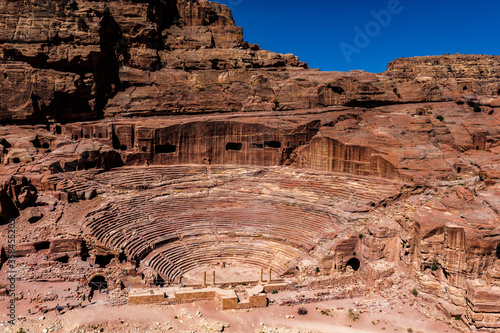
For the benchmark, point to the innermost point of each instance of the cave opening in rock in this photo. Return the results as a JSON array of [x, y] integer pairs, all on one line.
[[165, 149], [272, 144], [103, 261], [122, 257], [396, 92], [63, 259], [42, 246], [36, 143], [16, 160], [234, 146], [353, 263]]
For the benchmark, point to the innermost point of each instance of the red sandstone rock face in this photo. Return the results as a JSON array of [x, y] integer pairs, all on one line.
[[472, 74], [252, 158], [87, 59]]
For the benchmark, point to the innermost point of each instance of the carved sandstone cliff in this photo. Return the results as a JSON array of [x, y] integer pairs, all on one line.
[[116, 112], [82, 60]]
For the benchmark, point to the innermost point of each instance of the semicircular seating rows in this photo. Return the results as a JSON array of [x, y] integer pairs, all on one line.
[[265, 220]]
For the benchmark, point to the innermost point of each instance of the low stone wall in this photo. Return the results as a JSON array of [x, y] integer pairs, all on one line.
[[257, 301], [227, 298], [187, 295], [275, 286], [148, 297]]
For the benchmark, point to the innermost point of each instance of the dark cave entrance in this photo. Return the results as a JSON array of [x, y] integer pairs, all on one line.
[[234, 146], [165, 149], [103, 261], [63, 259], [353, 263], [272, 144], [42, 246]]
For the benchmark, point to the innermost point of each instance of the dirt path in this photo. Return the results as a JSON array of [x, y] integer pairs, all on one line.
[[375, 315]]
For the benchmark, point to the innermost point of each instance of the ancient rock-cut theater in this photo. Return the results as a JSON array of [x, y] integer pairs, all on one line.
[[145, 142]]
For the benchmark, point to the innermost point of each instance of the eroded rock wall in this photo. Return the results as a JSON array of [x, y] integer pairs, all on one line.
[[362, 175]]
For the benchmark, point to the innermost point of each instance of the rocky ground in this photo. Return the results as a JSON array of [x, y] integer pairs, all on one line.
[[396, 310]]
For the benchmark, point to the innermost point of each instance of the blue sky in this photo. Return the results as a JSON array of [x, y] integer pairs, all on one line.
[[315, 30]]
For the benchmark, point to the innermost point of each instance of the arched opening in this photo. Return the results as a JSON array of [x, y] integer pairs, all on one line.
[[99, 283], [464, 88], [353, 263], [16, 160], [45, 145]]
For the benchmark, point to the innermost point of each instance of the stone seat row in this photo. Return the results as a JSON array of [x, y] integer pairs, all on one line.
[[118, 226], [182, 256]]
